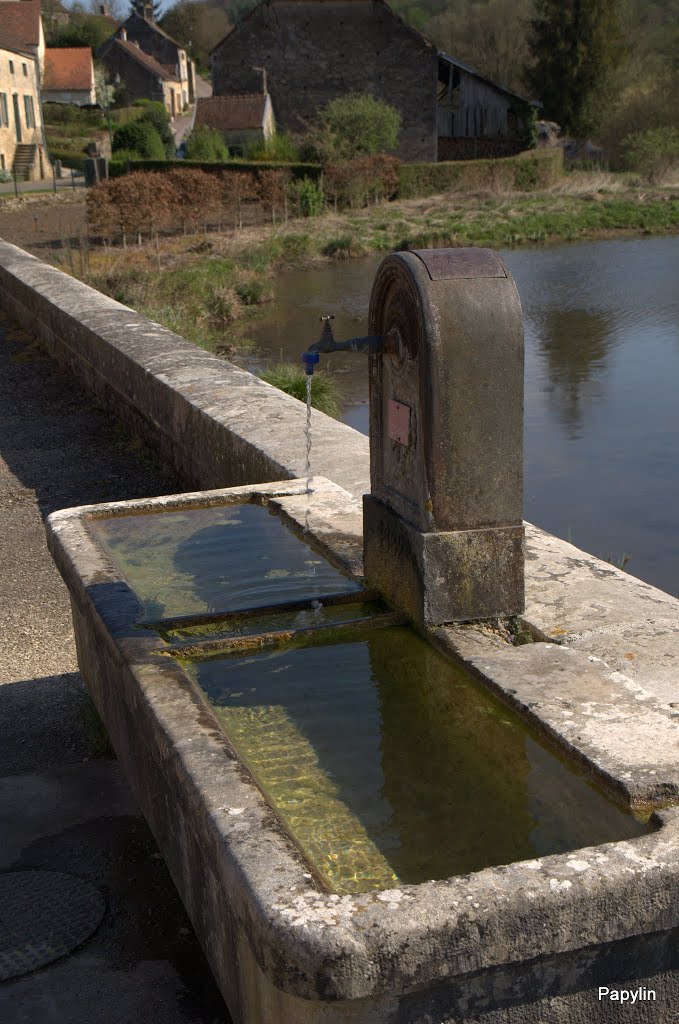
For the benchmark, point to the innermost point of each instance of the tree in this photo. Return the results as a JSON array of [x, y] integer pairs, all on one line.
[[156, 114], [137, 7], [198, 25], [81, 30], [575, 45], [355, 124], [204, 143], [139, 137]]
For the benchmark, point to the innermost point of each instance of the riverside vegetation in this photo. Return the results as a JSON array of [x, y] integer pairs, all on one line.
[[209, 280]]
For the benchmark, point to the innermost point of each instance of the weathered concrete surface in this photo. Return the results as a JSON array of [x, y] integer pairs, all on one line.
[[443, 529], [528, 942], [60, 809], [215, 424], [576, 599]]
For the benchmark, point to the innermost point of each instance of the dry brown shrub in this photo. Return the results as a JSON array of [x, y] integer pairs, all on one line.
[[272, 191], [237, 187]]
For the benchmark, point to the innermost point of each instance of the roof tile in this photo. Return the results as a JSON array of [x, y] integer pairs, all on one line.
[[68, 68]]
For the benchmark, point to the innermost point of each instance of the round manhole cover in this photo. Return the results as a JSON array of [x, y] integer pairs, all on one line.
[[43, 916]]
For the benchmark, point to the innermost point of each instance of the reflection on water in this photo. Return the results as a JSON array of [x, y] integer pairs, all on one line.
[[602, 365], [389, 764], [214, 560]]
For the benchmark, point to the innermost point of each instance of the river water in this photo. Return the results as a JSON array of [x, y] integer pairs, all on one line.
[[602, 385]]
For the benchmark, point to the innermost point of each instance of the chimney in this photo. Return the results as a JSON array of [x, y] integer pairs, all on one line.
[[148, 13], [122, 34], [104, 11]]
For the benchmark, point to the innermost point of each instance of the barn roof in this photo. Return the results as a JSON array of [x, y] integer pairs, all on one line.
[[68, 68], [446, 60], [21, 22], [232, 113]]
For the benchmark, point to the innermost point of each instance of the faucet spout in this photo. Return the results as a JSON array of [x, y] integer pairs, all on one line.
[[371, 345]]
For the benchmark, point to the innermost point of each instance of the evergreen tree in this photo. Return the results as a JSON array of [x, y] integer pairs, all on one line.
[[575, 45], [138, 7]]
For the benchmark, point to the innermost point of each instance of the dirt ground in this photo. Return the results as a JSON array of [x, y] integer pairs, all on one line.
[[42, 223]]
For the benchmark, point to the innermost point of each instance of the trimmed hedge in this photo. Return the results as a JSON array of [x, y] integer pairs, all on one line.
[[297, 171], [533, 169]]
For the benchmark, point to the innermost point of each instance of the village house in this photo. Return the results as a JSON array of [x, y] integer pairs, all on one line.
[[141, 30], [139, 74], [242, 121], [21, 23], [69, 76], [22, 146], [314, 51]]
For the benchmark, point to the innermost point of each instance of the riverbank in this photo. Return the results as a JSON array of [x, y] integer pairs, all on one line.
[[211, 287]]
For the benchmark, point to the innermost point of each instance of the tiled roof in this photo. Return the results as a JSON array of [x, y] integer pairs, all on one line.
[[129, 25], [7, 42], [68, 68], [231, 113], [150, 63], [20, 21]]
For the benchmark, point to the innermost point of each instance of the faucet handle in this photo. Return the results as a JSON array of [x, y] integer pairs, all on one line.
[[323, 319]]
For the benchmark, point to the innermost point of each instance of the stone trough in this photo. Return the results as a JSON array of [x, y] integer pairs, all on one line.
[[528, 941]]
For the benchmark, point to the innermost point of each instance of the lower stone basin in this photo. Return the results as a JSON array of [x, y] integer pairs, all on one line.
[[388, 764], [514, 913]]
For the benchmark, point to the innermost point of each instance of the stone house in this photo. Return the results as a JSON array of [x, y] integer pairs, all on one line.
[[22, 143], [20, 22], [316, 50], [241, 120], [69, 76], [140, 74], [141, 28], [313, 51]]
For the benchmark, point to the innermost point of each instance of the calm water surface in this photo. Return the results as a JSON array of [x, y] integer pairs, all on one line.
[[602, 386], [389, 764]]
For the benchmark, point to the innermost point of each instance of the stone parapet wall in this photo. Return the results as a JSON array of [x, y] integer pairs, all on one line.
[[216, 424]]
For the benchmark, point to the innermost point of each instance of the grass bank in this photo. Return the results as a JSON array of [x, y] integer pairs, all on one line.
[[209, 287]]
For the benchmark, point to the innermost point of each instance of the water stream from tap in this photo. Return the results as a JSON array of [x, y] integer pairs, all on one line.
[[308, 448]]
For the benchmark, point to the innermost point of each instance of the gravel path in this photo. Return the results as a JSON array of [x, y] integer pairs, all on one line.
[[62, 809]]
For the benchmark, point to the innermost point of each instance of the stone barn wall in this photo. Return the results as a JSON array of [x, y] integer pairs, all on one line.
[[317, 50]]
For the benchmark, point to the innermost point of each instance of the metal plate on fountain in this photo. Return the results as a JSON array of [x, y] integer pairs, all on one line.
[[446, 264], [44, 915]]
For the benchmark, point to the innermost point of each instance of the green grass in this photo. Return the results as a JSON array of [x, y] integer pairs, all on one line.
[[291, 378]]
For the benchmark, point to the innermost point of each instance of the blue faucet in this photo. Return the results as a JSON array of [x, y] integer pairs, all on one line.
[[372, 344]]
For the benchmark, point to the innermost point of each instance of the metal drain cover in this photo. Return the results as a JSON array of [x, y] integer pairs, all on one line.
[[43, 916]]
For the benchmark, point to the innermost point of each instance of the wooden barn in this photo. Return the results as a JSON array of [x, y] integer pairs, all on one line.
[[476, 117]]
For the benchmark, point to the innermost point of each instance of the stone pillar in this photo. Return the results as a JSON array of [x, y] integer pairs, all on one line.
[[443, 525]]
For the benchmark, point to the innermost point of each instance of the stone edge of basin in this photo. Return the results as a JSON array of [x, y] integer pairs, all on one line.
[[240, 876]]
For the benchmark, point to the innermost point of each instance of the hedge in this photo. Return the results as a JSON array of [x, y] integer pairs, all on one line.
[[298, 171], [533, 169]]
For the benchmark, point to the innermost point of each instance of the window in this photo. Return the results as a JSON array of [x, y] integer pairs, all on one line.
[[4, 112], [11, 67], [2, 162], [30, 113], [25, 70]]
